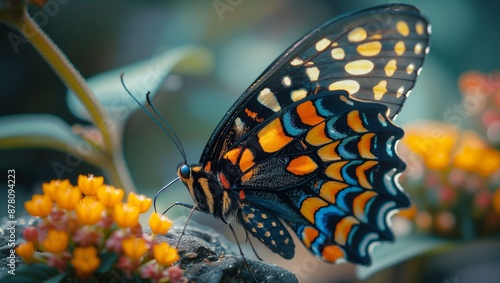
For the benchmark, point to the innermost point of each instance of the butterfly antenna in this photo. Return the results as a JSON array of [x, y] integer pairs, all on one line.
[[165, 123], [175, 140], [162, 189]]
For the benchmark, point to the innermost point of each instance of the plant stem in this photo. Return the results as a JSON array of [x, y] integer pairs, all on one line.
[[74, 81]]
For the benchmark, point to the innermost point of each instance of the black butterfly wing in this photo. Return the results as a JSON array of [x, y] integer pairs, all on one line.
[[374, 54], [312, 143]]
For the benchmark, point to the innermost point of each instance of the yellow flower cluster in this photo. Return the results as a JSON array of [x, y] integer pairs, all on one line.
[[81, 223]]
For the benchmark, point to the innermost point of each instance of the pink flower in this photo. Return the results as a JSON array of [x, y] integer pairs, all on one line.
[[87, 236]]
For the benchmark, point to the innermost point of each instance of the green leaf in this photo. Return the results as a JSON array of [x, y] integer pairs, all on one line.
[[45, 131], [404, 248], [32, 273], [108, 259], [141, 77]]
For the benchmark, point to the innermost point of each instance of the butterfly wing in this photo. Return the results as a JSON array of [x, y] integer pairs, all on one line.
[[374, 54], [312, 142]]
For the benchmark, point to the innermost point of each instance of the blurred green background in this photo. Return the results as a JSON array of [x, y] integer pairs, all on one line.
[[102, 35]]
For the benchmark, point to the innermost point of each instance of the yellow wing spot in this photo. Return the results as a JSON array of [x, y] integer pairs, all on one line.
[[286, 241], [359, 67], [310, 63], [232, 155], [400, 91], [351, 86], [282, 232], [328, 152], [287, 81], [298, 94], [359, 203], [250, 215], [343, 228], [267, 234], [402, 28], [419, 27], [254, 230], [313, 73], [364, 146], [307, 114], [332, 253], [356, 35], [335, 44], [272, 138], [410, 69], [333, 170], [260, 225], [391, 67], [322, 44], [376, 36], [263, 215], [296, 62], [370, 48], [246, 160], [309, 234], [302, 165], [273, 224], [354, 122], [330, 189], [400, 48], [418, 48], [361, 173], [316, 136], [380, 89], [267, 98], [338, 53], [310, 206]]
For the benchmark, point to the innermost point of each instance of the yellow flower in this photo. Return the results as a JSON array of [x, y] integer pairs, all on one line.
[[25, 250], [85, 260], [109, 195], [442, 146], [126, 215], [39, 205], [55, 242], [165, 254], [89, 184], [134, 248], [89, 211], [51, 189], [159, 224], [141, 201], [68, 197]]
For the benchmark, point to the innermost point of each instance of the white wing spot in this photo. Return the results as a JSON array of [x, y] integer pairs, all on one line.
[[313, 73], [322, 44], [267, 98]]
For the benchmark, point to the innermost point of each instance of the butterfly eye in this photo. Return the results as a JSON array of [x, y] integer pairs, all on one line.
[[185, 171]]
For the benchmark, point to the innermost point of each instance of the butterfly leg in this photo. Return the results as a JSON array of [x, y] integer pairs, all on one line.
[[251, 245], [239, 247], [187, 205]]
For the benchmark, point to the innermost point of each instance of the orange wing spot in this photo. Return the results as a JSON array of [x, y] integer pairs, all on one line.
[[317, 136], [330, 189], [364, 146], [307, 114], [246, 160], [332, 253], [302, 165], [343, 228], [242, 194], [361, 173], [208, 167], [272, 138], [328, 153], [247, 176], [223, 181], [310, 206], [232, 155], [309, 235], [333, 170], [359, 203], [253, 115], [355, 122]]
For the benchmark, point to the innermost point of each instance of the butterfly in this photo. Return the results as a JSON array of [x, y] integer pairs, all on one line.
[[310, 146]]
